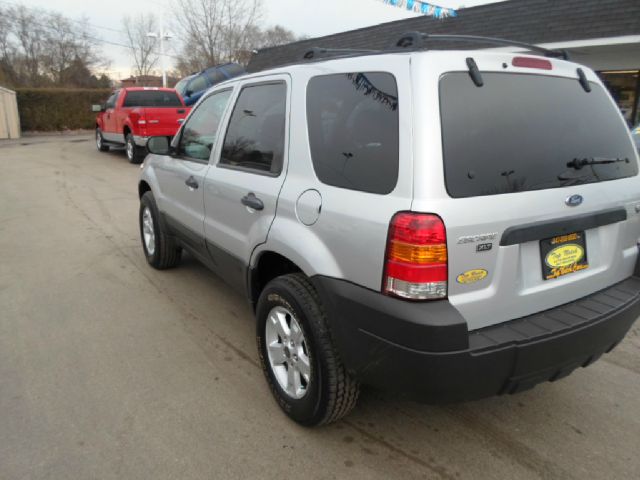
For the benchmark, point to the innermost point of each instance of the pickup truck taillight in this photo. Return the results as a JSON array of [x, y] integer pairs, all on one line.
[[137, 118], [416, 259]]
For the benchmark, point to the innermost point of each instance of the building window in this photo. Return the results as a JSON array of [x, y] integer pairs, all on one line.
[[624, 86]]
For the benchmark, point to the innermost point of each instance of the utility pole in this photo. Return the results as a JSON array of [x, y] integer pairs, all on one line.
[[164, 36]]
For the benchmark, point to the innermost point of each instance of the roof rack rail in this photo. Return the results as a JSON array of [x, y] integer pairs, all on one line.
[[317, 52], [417, 40]]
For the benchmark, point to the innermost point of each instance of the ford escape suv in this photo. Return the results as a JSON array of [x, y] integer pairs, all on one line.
[[449, 224]]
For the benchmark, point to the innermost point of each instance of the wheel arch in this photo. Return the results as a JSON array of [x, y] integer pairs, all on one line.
[[268, 265], [279, 255], [143, 187]]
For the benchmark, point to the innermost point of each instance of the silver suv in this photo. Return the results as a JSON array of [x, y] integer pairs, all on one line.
[[449, 224]]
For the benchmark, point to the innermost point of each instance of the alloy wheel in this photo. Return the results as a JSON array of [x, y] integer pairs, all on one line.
[[288, 352]]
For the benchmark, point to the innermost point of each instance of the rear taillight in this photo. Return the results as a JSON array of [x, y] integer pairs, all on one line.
[[416, 258], [137, 118]]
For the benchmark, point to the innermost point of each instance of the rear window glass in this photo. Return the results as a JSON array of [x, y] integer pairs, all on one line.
[[234, 70], [353, 130], [151, 98], [215, 75], [529, 132]]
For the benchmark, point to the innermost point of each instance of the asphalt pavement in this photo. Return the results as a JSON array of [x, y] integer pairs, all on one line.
[[112, 370]]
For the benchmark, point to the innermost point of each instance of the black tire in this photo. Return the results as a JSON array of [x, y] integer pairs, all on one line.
[[135, 154], [166, 252], [331, 392], [100, 141]]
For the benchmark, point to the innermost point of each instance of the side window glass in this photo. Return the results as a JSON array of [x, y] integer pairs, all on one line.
[[111, 101], [353, 130], [255, 135], [197, 84], [200, 132]]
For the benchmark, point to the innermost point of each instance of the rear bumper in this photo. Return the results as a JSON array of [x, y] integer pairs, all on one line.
[[425, 349]]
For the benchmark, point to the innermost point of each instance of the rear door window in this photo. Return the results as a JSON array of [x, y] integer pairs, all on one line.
[[353, 130], [529, 132], [152, 98], [256, 131]]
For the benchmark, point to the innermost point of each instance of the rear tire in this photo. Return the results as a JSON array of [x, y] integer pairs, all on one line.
[[135, 154], [100, 145], [160, 248], [298, 342]]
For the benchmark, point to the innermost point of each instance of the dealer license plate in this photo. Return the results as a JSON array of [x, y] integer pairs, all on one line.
[[563, 254]]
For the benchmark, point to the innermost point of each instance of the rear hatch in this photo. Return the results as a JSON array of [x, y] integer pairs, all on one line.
[[536, 180], [160, 111]]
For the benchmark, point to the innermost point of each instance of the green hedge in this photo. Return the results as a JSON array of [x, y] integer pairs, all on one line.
[[53, 109]]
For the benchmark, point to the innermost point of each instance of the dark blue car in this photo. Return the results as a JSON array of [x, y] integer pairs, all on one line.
[[192, 87]]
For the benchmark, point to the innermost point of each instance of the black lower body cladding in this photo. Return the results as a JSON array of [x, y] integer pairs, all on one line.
[[424, 349]]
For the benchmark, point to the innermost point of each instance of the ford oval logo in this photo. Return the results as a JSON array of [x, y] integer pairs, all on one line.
[[574, 200]]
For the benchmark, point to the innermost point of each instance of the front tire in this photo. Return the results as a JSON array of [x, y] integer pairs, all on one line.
[[159, 247], [100, 145], [135, 154], [298, 357]]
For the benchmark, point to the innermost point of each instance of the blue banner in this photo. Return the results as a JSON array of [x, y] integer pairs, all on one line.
[[424, 8]]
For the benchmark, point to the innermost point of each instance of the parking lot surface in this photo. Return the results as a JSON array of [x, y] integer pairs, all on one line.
[[112, 370]]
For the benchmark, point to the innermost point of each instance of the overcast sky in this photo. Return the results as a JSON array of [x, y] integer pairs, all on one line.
[[309, 17]]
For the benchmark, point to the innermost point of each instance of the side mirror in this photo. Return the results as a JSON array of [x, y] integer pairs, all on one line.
[[158, 146], [98, 108]]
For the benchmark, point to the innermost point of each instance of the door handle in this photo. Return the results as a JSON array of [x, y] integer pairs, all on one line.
[[250, 200], [191, 182]]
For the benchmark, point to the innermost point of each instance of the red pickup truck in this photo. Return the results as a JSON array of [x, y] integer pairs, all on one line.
[[131, 115]]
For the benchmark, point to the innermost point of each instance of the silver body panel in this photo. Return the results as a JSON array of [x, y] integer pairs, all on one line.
[[348, 238], [228, 224]]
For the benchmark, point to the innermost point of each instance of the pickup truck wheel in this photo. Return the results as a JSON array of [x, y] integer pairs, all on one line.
[[161, 249], [298, 357], [135, 154], [100, 141]]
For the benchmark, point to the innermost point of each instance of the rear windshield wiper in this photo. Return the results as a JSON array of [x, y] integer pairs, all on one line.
[[570, 181], [578, 163]]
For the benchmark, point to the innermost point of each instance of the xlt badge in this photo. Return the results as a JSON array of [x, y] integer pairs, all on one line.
[[484, 247]]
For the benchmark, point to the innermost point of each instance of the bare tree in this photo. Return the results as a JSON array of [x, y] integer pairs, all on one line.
[[7, 49], [68, 45], [30, 33], [142, 47], [41, 48], [276, 35], [215, 31]]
